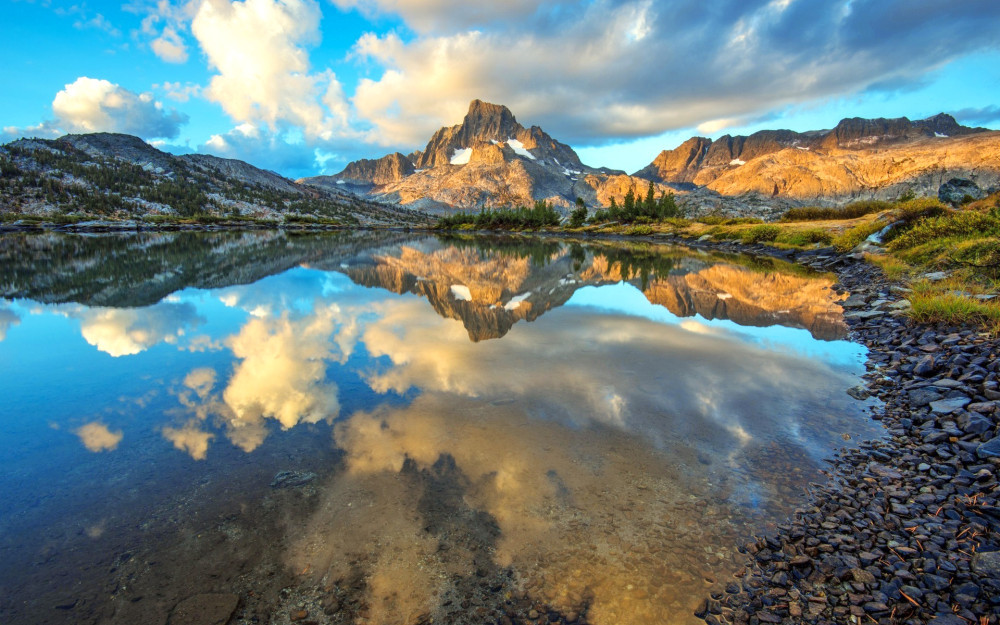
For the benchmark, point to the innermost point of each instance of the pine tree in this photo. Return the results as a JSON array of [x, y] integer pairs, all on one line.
[[649, 204]]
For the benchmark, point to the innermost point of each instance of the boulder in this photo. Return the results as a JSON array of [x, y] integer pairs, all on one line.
[[957, 190]]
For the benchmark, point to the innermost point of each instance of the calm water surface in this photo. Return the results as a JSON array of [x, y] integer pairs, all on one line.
[[463, 422]]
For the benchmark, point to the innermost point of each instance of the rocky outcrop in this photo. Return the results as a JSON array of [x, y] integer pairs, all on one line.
[[370, 173]]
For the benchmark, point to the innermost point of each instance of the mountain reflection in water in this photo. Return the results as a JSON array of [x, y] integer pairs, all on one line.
[[637, 411]]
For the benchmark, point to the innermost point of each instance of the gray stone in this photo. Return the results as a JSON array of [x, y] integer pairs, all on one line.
[[935, 276], [976, 424], [946, 619], [922, 396], [985, 407], [957, 191], [854, 301], [925, 366], [989, 449], [950, 405], [864, 314], [987, 563], [858, 392], [206, 609]]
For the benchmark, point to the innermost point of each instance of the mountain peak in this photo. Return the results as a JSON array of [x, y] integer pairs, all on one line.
[[485, 114]]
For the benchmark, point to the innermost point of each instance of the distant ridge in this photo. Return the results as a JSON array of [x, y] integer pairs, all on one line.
[[857, 158], [117, 175]]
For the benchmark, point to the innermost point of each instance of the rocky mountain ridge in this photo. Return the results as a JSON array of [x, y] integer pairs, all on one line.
[[108, 174], [488, 160], [491, 160], [859, 158]]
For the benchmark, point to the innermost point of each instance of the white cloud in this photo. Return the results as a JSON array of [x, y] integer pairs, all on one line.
[[170, 47], [179, 92], [259, 49], [614, 69], [94, 105], [97, 437], [264, 148], [282, 373], [189, 439], [164, 25], [129, 331]]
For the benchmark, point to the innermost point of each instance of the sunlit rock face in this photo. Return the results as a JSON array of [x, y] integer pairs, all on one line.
[[489, 160], [859, 158]]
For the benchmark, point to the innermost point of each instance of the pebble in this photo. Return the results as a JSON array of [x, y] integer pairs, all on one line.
[[907, 527]]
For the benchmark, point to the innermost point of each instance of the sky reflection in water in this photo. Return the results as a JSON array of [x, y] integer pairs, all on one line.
[[618, 448]]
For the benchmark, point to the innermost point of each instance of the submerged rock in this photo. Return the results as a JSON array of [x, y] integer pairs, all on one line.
[[206, 609], [291, 479]]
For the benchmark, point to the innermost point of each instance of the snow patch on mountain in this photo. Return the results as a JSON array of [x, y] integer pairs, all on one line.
[[461, 156], [519, 149], [461, 292]]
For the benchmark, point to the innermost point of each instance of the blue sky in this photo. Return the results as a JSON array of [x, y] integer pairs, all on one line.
[[304, 86]]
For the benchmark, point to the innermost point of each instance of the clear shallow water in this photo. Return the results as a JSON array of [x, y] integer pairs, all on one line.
[[604, 422]]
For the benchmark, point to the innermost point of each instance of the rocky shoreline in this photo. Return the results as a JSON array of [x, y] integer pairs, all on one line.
[[907, 528]]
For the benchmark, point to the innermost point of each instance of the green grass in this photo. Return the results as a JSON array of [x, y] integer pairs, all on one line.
[[763, 233], [849, 239], [933, 302], [805, 238], [892, 267], [638, 231], [851, 211]]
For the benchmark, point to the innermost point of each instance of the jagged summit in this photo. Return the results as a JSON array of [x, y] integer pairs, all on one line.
[[489, 159], [487, 125]]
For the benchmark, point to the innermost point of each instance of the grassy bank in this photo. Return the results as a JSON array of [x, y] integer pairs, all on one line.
[[948, 257]]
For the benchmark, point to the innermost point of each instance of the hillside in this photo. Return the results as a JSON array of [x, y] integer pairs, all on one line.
[[121, 176]]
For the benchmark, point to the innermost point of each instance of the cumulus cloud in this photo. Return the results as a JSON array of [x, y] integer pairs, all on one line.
[[164, 25], [97, 437], [94, 105], [264, 148], [179, 92], [170, 47], [259, 50], [629, 68], [129, 331], [281, 375], [189, 439]]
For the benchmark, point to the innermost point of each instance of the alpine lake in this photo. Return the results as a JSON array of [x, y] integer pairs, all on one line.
[[395, 428]]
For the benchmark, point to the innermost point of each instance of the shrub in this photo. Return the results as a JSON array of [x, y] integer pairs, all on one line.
[[638, 230], [761, 233], [961, 224], [542, 214], [803, 238], [850, 211], [851, 238]]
